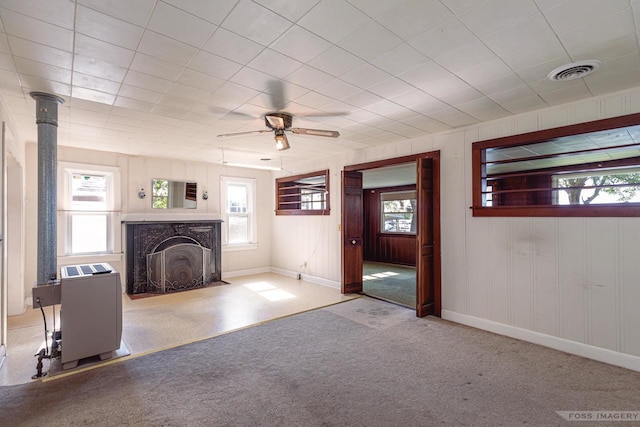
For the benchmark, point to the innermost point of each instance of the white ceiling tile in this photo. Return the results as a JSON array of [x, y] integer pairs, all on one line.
[[93, 48], [145, 81], [416, 97], [45, 71], [135, 12], [522, 105], [624, 80], [546, 86], [365, 75], [483, 109], [548, 4], [255, 23], [212, 11], [300, 44], [188, 92], [308, 77], [604, 50], [412, 17], [314, 100], [453, 117], [133, 104], [176, 102], [509, 81], [274, 63], [465, 56], [491, 16], [540, 71], [153, 66], [610, 70], [41, 53], [336, 61], [199, 80], [173, 113], [182, 26], [426, 123], [4, 43], [37, 31], [92, 95], [32, 83], [512, 94], [363, 99], [108, 29], [139, 94], [6, 62], [10, 78], [567, 94], [252, 78], [96, 83], [292, 10], [333, 20], [374, 8], [485, 71], [385, 108], [606, 31], [57, 13], [452, 90], [359, 42], [98, 68], [399, 60], [233, 46], [285, 89], [424, 74], [459, 6], [241, 93], [214, 65], [338, 89], [165, 48], [449, 35], [572, 14], [391, 87]]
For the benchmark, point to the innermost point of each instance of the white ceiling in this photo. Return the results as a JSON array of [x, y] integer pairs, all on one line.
[[163, 78]]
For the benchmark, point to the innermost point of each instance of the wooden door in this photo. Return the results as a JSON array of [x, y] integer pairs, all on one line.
[[428, 239], [352, 215]]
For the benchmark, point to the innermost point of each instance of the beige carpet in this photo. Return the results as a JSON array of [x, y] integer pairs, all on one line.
[[359, 363]]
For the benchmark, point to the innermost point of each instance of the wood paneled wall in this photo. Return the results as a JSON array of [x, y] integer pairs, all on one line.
[[383, 247]]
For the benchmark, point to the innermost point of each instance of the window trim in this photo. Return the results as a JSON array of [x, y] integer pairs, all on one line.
[[281, 184], [600, 210], [251, 213], [113, 206]]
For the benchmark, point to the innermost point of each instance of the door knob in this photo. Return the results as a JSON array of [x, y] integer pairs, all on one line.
[[353, 242]]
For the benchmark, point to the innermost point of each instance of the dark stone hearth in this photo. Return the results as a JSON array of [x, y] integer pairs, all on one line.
[[147, 237]]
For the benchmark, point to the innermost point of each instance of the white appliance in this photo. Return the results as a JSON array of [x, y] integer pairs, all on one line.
[[91, 314]]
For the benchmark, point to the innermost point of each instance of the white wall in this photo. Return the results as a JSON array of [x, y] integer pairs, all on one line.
[[137, 172], [568, 283]]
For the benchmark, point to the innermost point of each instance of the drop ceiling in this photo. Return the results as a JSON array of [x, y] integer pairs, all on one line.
[[163, 78]]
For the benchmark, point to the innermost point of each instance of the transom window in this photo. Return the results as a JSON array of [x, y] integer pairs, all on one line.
[[306, 194], [589, 169]]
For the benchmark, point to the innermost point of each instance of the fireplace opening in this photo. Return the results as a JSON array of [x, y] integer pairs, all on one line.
[[178, 263]]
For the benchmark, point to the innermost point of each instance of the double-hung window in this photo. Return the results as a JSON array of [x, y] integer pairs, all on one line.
[[238, 206], [89, 198], [398, 212]]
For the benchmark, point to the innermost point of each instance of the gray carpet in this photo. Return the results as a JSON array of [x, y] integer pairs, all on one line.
[[394, 282], [360, 363]]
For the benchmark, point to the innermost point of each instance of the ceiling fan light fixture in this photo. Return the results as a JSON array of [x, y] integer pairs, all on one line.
[[281, 140]]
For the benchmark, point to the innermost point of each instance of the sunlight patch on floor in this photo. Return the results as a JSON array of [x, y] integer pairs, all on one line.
[[376, 276], [268, 291]]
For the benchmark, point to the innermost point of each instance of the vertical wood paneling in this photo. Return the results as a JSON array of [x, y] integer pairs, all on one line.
[[521, 273], [545, 307], [629, 242], [478, 273], [602, 281], [137, 172], [500, 270], [572, 257]]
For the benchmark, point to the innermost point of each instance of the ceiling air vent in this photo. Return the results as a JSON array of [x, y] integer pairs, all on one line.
[[577, 70]]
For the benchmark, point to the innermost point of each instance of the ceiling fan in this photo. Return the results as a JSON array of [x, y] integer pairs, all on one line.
[[278, 123]]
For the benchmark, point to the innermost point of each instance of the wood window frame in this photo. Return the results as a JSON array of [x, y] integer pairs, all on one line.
[[549, 210], [289, 194]]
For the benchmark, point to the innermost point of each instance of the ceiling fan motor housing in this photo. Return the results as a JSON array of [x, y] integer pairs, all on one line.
[[287, 119]]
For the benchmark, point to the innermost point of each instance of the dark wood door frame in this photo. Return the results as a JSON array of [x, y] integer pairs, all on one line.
[[433, 285]]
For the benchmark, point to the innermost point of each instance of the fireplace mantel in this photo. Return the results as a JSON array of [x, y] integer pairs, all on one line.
[[169, 217], [144, 236]]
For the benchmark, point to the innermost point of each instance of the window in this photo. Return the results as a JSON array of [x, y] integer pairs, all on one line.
[[398, 212], [589, 169], [89, 197], [238, 202], [306, 194]]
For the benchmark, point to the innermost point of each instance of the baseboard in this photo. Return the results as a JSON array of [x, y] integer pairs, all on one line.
[[306, 278], [248, 272], [579, 349]]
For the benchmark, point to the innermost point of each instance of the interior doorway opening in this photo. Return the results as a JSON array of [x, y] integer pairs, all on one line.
[[423, 218]]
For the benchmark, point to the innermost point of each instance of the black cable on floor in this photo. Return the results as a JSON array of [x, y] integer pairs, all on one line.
[[44, 318]]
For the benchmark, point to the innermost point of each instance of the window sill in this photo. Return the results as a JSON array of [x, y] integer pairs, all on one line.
[[240, 247], [88, 259]]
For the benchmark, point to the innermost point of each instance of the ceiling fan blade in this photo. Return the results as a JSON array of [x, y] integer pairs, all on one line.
[[275, 122], [251, 132], [316, 132], [275, 89]]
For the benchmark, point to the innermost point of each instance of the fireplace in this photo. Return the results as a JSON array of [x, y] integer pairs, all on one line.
[[170, 256]]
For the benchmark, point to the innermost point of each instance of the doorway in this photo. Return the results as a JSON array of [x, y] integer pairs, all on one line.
[[427, 236]]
